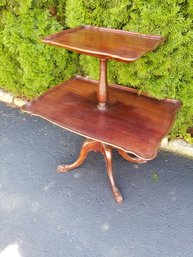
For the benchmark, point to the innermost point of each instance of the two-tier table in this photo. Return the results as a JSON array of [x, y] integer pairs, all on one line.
[[108, 115]]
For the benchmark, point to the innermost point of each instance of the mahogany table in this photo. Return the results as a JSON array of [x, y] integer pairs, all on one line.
[[108, 115]]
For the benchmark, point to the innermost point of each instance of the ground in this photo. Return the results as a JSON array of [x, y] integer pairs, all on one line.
[[46, 214]]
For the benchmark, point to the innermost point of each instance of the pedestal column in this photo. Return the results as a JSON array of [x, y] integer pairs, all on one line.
[[103, 86]]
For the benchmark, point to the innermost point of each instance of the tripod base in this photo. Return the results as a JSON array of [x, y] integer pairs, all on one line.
[[106, 150]]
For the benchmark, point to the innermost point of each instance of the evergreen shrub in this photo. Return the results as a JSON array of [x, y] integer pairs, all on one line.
[[28, 67]]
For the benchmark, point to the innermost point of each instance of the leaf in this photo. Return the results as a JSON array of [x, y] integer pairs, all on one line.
[[155, 177]]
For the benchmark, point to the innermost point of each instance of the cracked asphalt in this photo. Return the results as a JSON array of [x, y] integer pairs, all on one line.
[[47, 214]]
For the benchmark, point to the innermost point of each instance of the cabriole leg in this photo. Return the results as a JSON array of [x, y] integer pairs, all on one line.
[[107, 152], [129, 158], [88, 146]]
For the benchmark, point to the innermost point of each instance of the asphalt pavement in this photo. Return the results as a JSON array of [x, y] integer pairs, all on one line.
[[46, 214]]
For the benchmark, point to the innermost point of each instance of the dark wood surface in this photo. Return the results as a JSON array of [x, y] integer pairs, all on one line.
[[105, 43], [133, 123]]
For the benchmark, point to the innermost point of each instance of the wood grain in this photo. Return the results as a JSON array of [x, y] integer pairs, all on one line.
[[134, 123], [107, 43]]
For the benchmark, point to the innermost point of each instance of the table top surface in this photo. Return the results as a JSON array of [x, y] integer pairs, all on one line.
[[106, 43], [134, 123]]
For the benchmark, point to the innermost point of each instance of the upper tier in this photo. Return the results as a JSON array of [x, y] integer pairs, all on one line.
[[105, 43]]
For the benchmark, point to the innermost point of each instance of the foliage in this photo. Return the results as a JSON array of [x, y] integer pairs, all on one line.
[[29, 67]]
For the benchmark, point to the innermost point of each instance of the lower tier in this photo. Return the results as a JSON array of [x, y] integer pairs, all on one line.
[[134, 123]]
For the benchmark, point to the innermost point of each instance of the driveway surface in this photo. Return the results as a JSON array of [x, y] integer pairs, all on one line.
[[46, 214]]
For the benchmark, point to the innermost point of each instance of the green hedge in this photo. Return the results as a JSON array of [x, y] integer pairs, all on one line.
[[28, 67]]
